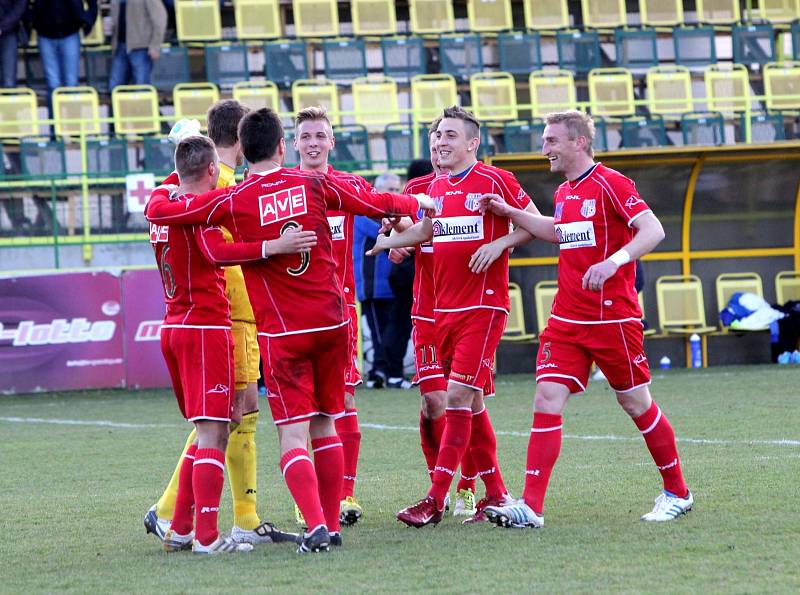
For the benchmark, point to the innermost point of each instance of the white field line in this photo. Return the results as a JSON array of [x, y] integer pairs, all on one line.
[[383, 427]]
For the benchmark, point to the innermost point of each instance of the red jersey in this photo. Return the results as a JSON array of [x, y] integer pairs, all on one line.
[[290, 293], [593, 217], [424, 295], [459, 230]]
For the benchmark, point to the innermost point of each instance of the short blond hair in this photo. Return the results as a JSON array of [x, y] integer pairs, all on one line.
[[577, 124], [311, 114]]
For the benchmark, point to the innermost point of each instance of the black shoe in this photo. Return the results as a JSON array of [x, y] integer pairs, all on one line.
[[266, 532], [317, 541], [336, 539], [400, 383], [375, 380]]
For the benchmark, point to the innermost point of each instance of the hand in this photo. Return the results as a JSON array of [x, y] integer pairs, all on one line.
[[154, 53], [246, 173], [484, 257], [425, 202], [388, 224], [494, 203], [598, 274], [380, 246], [291, 242], [398, 255]]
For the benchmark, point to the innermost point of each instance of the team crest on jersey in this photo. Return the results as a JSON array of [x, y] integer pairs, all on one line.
[[159, 233], [472, 202], [632, 201], [588, 208], [559, 212], [579, 234], [283, 204], [337, 227], [458, 229]]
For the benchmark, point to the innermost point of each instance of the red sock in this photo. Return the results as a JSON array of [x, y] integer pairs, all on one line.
[[183, 517], [660, 439], [469, 472], [328, 463], [208, 476], [430, 434], [454, 442], [298, 472], [544, 447], [347, 428], [483, 448]]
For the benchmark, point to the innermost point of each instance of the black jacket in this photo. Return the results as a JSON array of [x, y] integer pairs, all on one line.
[[57, 19], [11, 12]]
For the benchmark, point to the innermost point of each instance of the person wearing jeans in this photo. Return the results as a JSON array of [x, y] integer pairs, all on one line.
[[11, 12], [137, 32]]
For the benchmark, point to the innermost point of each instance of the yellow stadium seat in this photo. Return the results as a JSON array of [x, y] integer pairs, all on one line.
[[546, 14], [782, 85], [544, 292], [718, 12], [669, 90], [430, 94], [779, 11], [681, 309], [727, 87], [787, 286], [135, 109], [494, 15], [18, 105], [257, 19], [257, 94], [611, 92], [198, 20], [373, 17], [76, 110], [515, 325], [96, 36], [551, 91], [192, 100], [315, 18], [317, 92], [604, 13], [659, 13], [494, 96], [431, 16], [729, 283], [375, 101]]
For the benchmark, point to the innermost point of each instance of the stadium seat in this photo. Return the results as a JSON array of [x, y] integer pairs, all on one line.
[[727, 88], [292, 157], [375, 101], [729, 283], [460, 55], [778, 11], [643, 131], [345, 59], [523, 137], [636, 48], [681, 309], [96, 35], [431, 16], [430, 93], [669, 90], [546, 14], [226, 64], [520, 53], [135, 109], [257, 19], [753, 44], [40, 157], [159, 156], [97, 65], [544, 292], [795, 35], [107, 158], [172, 68], [76, 110], [403, 57], [198, 20], [373, 17], [604, 13], [551, 90], [257, 94], [578, 51], [351, 151], [400, 147], [611, 92], [285, 62], [764, 127], [718, 12], [703, 128], [787, 287], [515, 325], [600, 142], [18, 104], [494, 96], [319, 92], [489, 16], [192, 100], [782, 85], [660, 13], [694, 46], [315, 18]]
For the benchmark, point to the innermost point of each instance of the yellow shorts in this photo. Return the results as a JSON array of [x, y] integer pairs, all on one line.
[[245, 353]]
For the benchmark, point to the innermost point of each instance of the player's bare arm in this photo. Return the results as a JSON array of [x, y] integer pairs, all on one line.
[[484, 256], [395, 224], [292, 241], [531, 221], [413, 236], [649, 234]]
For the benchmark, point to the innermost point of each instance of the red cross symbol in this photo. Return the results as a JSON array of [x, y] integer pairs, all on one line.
[[141, 193]]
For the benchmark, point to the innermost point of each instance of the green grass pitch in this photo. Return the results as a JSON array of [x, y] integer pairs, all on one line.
[[74, 493]]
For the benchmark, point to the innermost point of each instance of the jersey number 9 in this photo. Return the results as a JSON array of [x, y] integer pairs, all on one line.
[[305, 257]]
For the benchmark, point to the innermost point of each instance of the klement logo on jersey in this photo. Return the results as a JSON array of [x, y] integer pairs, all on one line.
[[159, 233], [588, 208], [457, 229], [148, 330], [283, 204], [337, 227], [575, 235], [473, 200], [58, 332]]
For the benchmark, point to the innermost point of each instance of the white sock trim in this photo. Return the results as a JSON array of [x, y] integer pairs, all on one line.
[[209, 462], [294, 460], [540, 430]]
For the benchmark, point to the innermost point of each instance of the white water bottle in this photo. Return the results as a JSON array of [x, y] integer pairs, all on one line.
[[696, 351], [665, 363]]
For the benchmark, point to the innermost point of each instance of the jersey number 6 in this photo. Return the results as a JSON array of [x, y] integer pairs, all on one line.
[[305, 257]]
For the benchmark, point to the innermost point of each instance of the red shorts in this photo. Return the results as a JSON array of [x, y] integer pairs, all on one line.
[[352, 376], [200, 364], [467, 342], [304, 374], [566, 352], [429, 376]]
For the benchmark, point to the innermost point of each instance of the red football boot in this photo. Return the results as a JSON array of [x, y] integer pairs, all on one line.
[[479, 515], [424, 512]]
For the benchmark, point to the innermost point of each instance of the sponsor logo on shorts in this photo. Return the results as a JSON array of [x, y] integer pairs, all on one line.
[[58, 332], [473, 198], [640, 359], [543, 366], [632, 201], [283, 204], [220, 389], [579, 234], [159, 233], [588, 208], [337, 227], [458, 229], [422, 369], [461, 377]]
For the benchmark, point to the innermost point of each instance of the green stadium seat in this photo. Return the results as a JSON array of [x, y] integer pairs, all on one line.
[[351, 152], [403, 57], [764, 127], [600, 134], [643, 131], [226, 64], [703, 128], [97, 64], [795, 34], [43, 157], [106, 157], [694, 46], [578, 51], [460, 56], [753, 43], [171, 69], [636, 48], [159, 155], [345, 59], [520, 53], [400, 147], [523, 136], [292, 157], [285, 62]]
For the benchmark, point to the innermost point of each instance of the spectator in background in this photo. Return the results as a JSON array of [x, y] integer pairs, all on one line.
[[137, 31], [58, 23], [11, 13]]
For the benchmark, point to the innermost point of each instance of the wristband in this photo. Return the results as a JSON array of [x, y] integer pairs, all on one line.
[[620, 257], [264, 249]]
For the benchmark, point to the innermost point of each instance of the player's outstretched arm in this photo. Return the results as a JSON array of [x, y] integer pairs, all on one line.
[[345, 197], [530, 220], [413, 236], [292, 241], [160, 209], [222, 253]]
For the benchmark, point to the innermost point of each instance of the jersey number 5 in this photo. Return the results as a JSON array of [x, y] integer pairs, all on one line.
[[166, 275], [305, 257]]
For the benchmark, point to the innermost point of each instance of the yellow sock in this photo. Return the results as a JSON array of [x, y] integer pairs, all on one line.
[[240, 460], [165, 507]]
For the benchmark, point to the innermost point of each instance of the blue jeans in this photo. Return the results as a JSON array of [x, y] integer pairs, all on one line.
[[61, 60], [8, 58], [134, 67]]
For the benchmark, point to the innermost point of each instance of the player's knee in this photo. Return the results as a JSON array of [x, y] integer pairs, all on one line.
[[550, 398], [459, 395], [635, 402], [349, 400], [433, 404]]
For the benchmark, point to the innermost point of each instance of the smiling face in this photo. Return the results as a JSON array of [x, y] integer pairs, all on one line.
[[313, 142], [568, 156], [456, 147], [434, 152]]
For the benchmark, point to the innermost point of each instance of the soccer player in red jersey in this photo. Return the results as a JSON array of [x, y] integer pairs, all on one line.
[[301, 315], [601, 225]]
